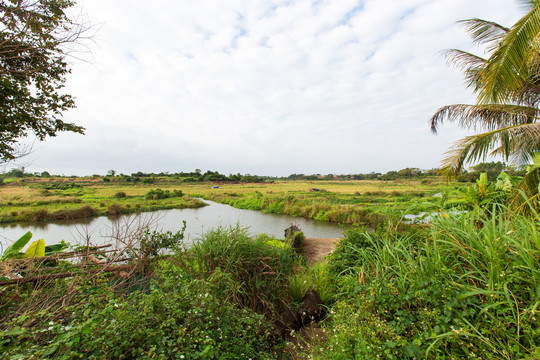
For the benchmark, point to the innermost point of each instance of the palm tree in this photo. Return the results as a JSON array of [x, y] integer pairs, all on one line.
[[508, 89]]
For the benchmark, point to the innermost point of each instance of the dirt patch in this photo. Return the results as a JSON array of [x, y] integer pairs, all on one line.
[[299, 343], [317, 248]]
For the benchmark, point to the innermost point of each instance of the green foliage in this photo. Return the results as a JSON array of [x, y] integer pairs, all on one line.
[[120, 195], [507, 99], [467, 287], [36, 249], [56, 248], [320, 206], [33, 70], [488, 196], [152, 243], [316, 277], [159, 194], [349, 253], [260, 271], [13, 250], [180, 318], [199, 306], [114, 209]]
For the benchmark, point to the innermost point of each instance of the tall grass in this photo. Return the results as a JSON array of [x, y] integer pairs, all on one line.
[[317, 208], [467, 287], [315, 277], [258, 269]]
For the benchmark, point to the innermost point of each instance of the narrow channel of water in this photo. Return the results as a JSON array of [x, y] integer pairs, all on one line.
[[198, 221]]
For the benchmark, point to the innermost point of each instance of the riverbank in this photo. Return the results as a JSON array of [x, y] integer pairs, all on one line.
[[344, 202], [68, 200]]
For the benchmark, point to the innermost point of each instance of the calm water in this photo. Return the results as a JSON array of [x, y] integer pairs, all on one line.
[[100, 229]]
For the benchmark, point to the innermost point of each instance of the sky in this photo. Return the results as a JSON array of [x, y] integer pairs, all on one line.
[[265, 87]]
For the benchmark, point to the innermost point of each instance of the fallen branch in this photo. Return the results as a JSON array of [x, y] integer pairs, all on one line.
[[56, 257], [63, 275]]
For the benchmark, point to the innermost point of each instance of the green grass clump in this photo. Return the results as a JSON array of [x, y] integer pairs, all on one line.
[[259, 269], [316, 277]]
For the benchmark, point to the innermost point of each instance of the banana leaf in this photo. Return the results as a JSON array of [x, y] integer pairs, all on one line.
[[36, 249], [13, 250], [56, 248]]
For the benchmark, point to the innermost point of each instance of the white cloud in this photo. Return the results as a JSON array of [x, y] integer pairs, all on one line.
[[266, 87]]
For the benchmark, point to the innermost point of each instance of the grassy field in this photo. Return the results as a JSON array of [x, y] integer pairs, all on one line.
[[348, 202], [57, 199], [361, 201]]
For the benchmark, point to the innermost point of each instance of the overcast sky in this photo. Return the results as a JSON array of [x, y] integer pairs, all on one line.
[[269, 87]]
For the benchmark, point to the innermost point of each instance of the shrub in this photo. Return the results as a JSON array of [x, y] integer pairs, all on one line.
[[158, 194], [40, 215], [69, 214], [114, 209], [120, 195], [179, 318]]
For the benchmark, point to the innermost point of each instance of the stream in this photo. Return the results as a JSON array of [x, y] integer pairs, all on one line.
[[100, 229]]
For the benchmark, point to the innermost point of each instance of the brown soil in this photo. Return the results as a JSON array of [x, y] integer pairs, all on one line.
[[317, 248], [306, 338]]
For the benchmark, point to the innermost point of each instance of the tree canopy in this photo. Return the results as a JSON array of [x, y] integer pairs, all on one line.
[[507, 85], [33, 69]]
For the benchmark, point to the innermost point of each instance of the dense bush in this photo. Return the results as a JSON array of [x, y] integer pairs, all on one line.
[[114, 209], [179, 318], [199, 305], [120, 194], [159, 194]]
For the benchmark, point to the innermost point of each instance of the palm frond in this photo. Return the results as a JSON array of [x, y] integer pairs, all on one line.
[[487, 117], [485, 32], [507, 67], [513, 142], [524, 197], [528, 94], [464, 60], [528, 4]]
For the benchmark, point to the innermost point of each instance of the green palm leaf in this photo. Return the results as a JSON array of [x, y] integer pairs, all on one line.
[[487, 117], [507, 68], [513, 143], [485, 32]]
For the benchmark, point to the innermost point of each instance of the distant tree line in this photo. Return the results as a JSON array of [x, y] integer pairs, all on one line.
[[492, 169]]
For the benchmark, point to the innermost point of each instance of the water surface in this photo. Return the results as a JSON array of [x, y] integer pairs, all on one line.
[[100, 229]]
